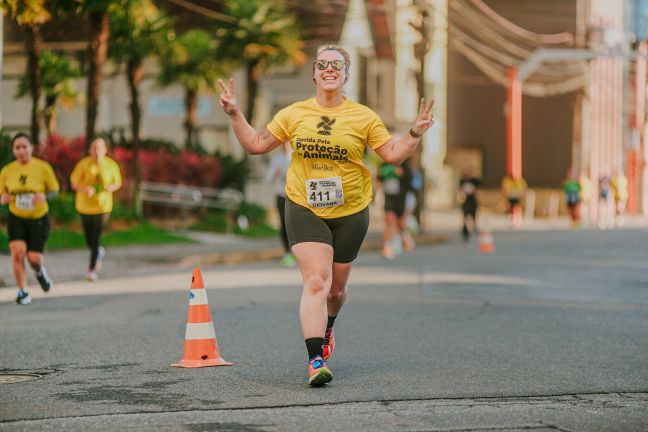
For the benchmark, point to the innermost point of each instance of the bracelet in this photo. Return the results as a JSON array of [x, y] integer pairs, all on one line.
[[414, 134]]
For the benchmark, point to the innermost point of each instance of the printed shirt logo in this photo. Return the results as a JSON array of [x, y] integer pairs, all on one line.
[[325, 126], [23, 179]]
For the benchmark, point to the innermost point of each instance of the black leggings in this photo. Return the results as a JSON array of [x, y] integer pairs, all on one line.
[[281, 207], [93, 225]]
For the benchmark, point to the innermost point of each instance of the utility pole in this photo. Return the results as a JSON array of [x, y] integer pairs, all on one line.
[[421, 49]]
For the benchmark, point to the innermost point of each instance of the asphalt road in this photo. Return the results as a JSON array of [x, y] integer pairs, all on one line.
[[548, 333]]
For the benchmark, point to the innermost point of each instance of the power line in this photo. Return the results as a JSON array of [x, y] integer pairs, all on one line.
[[203, 11]]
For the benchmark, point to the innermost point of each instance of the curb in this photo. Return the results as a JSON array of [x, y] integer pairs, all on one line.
[[243, 257]]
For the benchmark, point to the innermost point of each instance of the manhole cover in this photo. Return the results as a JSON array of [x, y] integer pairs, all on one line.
[[6, 378]]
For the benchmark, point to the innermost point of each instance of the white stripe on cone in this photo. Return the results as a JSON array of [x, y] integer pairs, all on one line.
[[200, 331], [198, 297]]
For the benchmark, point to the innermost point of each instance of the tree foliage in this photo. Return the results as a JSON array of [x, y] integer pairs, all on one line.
[[264, 34], [58, 76], [190, 61]]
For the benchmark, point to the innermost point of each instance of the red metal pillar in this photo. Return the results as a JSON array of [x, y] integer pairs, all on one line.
[[514, 125]]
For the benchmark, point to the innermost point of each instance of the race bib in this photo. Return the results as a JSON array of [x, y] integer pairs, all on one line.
[[324, 192], [25, 201], [392, 186]]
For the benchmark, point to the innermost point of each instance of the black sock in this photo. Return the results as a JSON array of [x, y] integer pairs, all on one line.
[[315, 346], [330, 322]]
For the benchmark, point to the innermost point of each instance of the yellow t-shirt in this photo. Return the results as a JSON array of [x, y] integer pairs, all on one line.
[[22, 182], [620, 187], [328, 146], [99, 175], [514, 188]]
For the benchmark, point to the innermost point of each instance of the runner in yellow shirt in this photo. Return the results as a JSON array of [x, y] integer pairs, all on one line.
[[514, 189], [328, 189], [26, 184], [94, 179]]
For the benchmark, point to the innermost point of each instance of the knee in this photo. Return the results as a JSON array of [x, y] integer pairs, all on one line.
[[18, 255], [34, 258], [317, 285], [337, 294]]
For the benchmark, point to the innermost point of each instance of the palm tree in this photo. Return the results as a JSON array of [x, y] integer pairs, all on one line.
[[138, 30], [31, 15], [57, 76], [190, 61], [96, 11], [264, 34]]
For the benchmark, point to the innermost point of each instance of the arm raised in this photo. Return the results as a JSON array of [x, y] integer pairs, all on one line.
[[397, 151], [252, 141]]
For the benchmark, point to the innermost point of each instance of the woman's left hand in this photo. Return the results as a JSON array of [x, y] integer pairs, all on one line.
[[425, 119]]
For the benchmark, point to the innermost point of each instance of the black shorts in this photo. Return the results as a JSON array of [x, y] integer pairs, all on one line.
[[514, 201], [395, 204], [345, 234], [34, 232]]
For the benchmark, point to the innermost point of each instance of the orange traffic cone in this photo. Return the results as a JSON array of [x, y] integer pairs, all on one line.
[[486, 243], [200, 346]]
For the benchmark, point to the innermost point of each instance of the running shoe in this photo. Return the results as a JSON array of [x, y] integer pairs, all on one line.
[[288, 260], [100, 256], [91, 276], [318, 373], [44, 280], [23, 298], [388, 252], [329, 343], [408, 242]]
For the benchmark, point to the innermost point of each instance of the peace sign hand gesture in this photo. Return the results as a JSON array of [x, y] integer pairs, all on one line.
[[227, 100], [424, 120]]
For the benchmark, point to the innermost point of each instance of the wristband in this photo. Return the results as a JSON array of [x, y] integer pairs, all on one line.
[[414, 134]]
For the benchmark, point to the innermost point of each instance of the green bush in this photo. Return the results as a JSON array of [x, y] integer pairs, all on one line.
[[123, 212], [4, 240], [255, 214], [61, 208], [214, 220], [65, 238], [236, 173], [221, 221], [6, 153]]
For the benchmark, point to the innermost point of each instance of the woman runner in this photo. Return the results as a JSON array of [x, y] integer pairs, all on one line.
[[94, 179], [328, 189], [26, 184]]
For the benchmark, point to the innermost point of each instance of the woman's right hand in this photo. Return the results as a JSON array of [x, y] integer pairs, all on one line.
[[4, 199], [227, 100]]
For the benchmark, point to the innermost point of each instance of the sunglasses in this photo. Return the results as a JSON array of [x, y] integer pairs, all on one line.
[[335, 64]]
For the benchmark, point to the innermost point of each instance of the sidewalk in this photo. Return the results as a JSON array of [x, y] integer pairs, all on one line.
[[222, 249], [209, 249]]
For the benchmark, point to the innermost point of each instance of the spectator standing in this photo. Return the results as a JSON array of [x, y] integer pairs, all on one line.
[[619, 184], [572, 189], [468, 185], [586, 197], [277, 176], [605, 202]]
